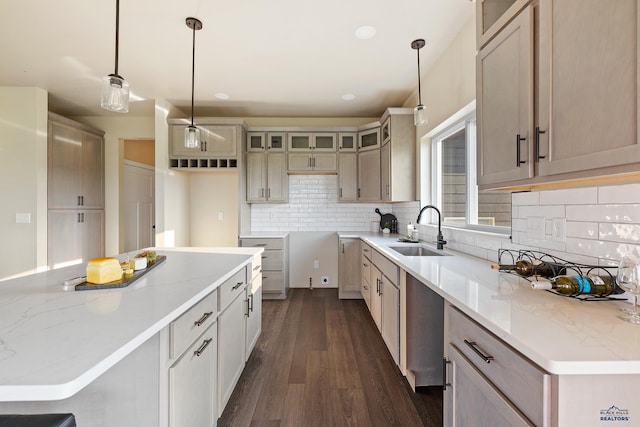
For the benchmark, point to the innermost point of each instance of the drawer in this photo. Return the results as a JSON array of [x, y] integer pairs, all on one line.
[[365, 290], [277, 244], [256, 266], [231, 288], [272, 281], [366, 250], [521, 381], [186, 328], [387, 267], [272, 260]]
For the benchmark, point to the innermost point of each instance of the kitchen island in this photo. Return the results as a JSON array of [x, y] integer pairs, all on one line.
[[105, 354], [581, 348]]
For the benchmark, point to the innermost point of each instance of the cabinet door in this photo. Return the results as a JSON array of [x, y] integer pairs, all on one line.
[[588, 96], [277, 178], [347, 141], [92, 234], [385, 171], [369, 139], [505, 103], [347, 177], [256, 177], [299, 141], [391, 318], [348, 267], [219, 141], [256, 141], [64, 161], [74, 236], [472, 401], [325, 162], [192, 385], [276, 141], [300, 162], [324, 141], [254, 314], [177, 143], [231, 349], [369, 175], [376, 296], [92, 171]]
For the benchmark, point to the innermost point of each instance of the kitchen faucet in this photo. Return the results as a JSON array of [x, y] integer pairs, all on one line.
[[441, 242]]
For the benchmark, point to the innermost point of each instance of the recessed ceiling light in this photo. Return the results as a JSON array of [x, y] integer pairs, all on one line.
[[365, 32], [221, 95], [348, 96]]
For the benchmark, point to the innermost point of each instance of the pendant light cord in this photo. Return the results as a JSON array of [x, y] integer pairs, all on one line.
[[117, 33], [419, 88], [193, 71]]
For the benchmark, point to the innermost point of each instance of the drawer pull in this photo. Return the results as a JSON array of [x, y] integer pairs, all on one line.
[[262, 245], [204, 345], [237, 285], [257, 267], [203, 319], [475, 349], [365, 264], [445, 384]]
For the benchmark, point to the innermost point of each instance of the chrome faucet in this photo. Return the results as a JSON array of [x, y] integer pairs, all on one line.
[[440, 242]]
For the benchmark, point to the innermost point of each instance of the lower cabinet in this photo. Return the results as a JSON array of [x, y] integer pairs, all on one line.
[[489, 383], [254, 307], [365, 273], [348, 268], [275, 264], [192, 384], [74, 236], [231, 337]]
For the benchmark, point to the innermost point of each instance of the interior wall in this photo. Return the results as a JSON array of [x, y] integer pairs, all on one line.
[[140, 151], [305, 249], [214, 208], [23, 180]]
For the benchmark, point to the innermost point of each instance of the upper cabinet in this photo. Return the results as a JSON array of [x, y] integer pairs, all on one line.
[[305, 141], [266, 141], [369, 139], [348, 142], [219, 145], [493, 15], [566, 110], [397, 156]]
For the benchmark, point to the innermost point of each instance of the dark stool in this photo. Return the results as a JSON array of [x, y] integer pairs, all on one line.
[[40, 420]]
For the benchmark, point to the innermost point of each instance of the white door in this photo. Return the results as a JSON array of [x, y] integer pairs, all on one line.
[[139, 206]]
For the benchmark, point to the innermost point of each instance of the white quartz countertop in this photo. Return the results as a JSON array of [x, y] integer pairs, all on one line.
[[562, 335], [53, 342]]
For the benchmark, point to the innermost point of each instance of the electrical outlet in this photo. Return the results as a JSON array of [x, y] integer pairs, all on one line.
[[316, 264], [324, 280], [559, 229], [220, 216]]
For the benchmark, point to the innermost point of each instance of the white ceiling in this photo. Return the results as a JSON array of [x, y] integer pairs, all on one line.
[[290, 58]]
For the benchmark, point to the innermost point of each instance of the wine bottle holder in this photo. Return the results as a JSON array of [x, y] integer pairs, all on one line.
[[560, 267]]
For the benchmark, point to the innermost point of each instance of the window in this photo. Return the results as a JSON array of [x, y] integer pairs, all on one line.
[[453, 177]]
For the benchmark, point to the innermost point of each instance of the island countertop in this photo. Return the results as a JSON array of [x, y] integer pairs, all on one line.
[[562, 335], [53, 342]]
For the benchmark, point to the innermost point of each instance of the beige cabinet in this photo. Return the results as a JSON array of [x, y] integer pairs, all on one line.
[[261, 141], [193, 360], [349, 268], [397, 156], [314, 141], [348, 177], [369, 139], [347, 142], [254, 306], [492, 15], [546, 115], [319, 162], [215, 141], [504, 70], [275, 264], [365, 274], [490, 383], [267, 179], [369, 175], [376, 296], [75, 188]]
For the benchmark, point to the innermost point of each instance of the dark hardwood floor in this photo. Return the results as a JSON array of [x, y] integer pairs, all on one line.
[[321, 361]]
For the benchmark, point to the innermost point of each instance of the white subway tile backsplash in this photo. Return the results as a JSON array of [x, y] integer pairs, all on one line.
[[570, 196], [625, 233], [525, 199], [583, 230], [605, 213], [613, 194]]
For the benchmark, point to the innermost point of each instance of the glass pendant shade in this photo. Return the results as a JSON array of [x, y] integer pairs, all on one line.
[[420, 115], [191, 137], [115, 94]]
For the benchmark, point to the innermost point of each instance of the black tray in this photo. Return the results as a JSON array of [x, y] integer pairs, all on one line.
[[125, 281]]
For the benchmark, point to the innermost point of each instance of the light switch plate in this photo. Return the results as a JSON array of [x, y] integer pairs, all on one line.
[[23, 218]]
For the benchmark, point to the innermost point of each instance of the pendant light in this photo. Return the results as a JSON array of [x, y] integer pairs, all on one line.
[[115, 89], [420, 112], [192, 133]]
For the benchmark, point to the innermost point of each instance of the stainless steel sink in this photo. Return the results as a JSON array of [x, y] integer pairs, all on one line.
[[416, 251]]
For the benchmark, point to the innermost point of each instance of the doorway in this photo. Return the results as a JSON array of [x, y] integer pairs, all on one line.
[[138, 195]]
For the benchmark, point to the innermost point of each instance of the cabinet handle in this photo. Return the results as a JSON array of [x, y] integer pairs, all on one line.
[[262, 245], [203, 319], [358, 193], [204, 345], [268, 193], [314, 161], [79, 202], [341, 193], [251, 306], [445, 383], [343, 248], [378, 286], [82, 217], [365, 264], [257, 267], [262, 192], [380, 291], [248, 314], [536, 146], [78, 220], [237, 285], [366, 288], [265, 277], [518, 141], [475, 349], [387, 189]]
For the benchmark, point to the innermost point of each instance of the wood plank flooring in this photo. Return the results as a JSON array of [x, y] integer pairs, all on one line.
[[321, 361]]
